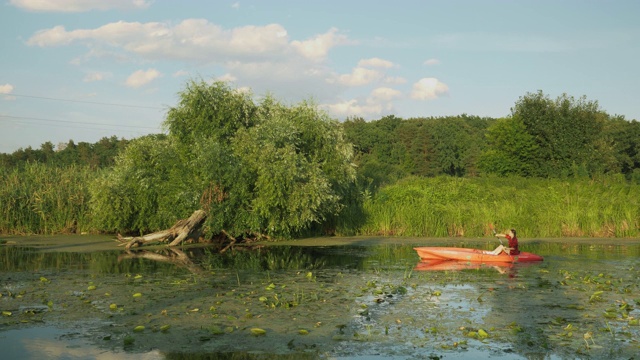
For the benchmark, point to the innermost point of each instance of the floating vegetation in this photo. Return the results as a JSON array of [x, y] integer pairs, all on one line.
[[338, 301]]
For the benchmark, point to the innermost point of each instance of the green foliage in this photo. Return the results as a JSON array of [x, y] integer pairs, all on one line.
[[214, 112], [145, 191], [257, 169], [392, 148], [97, 155], [510, 150], [44, 199], [567, 132], [443, 206]]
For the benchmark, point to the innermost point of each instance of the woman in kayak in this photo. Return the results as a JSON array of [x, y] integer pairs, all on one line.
[[513, 244]]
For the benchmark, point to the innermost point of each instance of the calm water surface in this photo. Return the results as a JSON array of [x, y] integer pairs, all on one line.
[[350, 299]]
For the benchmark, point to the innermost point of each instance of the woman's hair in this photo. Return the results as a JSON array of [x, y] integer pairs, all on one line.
[[513, 231]]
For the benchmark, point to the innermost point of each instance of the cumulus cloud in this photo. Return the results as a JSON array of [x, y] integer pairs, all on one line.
[[353, 108], [263, 57], [429, 89], [191, 40], [360, 76], [180, 73], [432, 62], [6, 89], [142, 77], [227, 78], [318, 47], [385, 94], [74, 6], [379, 102], [375, 62]]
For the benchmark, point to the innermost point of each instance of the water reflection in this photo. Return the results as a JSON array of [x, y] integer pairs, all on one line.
[[323, 301]]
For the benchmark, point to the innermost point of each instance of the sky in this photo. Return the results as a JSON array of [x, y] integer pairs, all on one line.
[[85, 69]]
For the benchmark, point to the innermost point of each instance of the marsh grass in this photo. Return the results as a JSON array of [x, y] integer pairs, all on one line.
[[469, 207], [44, 199]]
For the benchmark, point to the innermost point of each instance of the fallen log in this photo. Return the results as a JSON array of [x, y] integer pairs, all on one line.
[[183, 230]]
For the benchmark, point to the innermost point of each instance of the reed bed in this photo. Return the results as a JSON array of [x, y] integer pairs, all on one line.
[[470, 207], [44, 199]]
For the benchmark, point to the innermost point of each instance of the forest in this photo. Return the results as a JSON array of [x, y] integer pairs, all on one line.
[[266, 170]]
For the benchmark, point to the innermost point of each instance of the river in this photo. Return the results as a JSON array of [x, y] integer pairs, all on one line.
[[82, 297]]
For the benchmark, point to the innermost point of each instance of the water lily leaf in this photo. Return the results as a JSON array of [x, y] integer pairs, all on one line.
[[138, 328], [43, 279], [138, 276], [258, 332], [165, 328], [482, 334], [303, 332], [137, 295], [91, 287], [271, 286], [6, 313], [113, 307], [263, 298]]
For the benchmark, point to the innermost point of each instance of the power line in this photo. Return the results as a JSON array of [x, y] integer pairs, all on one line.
[[86, 102], [75, 122]]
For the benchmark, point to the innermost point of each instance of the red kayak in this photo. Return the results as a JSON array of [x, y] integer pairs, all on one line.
[[475, 255]]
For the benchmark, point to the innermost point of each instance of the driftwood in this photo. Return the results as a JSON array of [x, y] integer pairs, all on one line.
[[184, 229]]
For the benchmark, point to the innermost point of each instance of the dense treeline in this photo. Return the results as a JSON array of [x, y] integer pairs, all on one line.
[[97, 155], [543, 138], [558, 167]]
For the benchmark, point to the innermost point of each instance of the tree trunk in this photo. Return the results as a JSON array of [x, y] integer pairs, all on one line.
[[184, 229]]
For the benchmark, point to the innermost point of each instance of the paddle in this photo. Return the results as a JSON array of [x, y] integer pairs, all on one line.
[[493, 229]]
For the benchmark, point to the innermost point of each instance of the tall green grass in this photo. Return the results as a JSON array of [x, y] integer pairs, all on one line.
[[445, 206], [44, 199]]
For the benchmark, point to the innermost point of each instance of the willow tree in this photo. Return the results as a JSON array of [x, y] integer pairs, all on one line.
[[255, 168]]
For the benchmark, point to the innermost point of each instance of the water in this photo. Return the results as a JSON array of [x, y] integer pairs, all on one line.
[[366, 298]]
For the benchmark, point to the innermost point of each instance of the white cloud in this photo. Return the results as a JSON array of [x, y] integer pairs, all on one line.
[[141, 77], [318, 47], [191, 40], [227, 78], [379, 102], [385, 94], [263, 57], [353, 108], [6, 89], [432, 62], [180, 73], [235, 5], [375, 62], [360, 76], [95, 76], [71, 6], [429, 89]]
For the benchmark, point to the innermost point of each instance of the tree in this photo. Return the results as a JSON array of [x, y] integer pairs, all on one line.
[[510, 150], [256, 169], [567, 132]]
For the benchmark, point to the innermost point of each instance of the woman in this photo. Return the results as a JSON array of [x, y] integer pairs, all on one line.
[[513, 244]]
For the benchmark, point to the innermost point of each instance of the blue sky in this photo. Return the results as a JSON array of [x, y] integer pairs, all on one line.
[[85, 69]]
